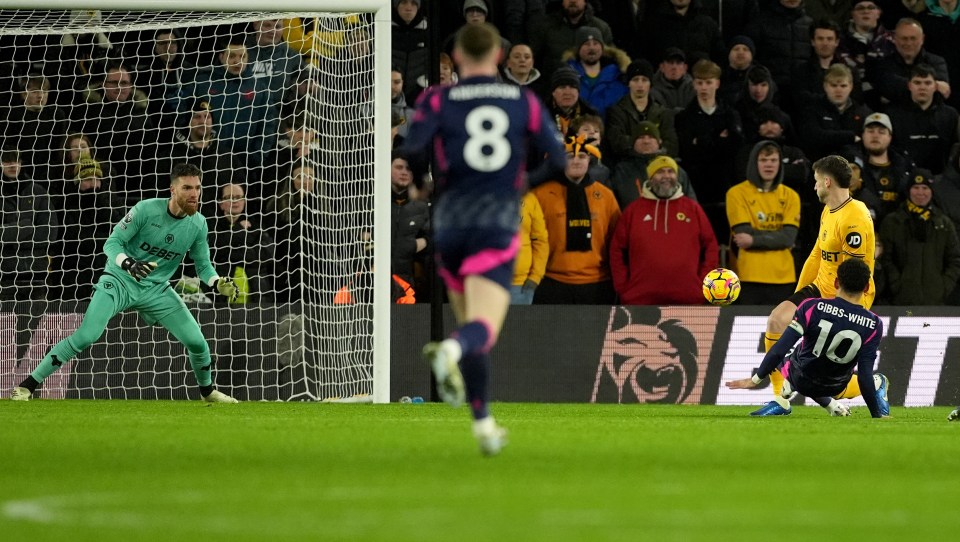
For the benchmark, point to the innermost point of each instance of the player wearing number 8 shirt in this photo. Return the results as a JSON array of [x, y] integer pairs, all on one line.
[[838, 335], [143, 251], [480, 130], [846, 232]]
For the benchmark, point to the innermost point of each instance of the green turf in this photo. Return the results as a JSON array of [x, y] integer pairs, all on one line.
[[152, 470]]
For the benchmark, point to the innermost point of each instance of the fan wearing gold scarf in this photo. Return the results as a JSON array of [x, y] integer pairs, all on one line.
[[920, 257]]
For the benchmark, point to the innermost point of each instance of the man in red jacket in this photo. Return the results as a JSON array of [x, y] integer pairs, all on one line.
[[663, 244]]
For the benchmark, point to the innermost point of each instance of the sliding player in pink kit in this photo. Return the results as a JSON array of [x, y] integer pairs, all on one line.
[[480, 130]]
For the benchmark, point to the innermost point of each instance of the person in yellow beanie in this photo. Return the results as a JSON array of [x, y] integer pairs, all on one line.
[[662, 234], [89, 174]]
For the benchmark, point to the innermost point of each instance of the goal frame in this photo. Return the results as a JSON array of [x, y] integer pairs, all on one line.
[[382, 13]]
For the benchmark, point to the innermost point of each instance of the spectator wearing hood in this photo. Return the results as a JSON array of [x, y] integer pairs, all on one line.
[[600, 68], [921, 253], [774, 125], [760, 91], [662, 234], [764, 217]]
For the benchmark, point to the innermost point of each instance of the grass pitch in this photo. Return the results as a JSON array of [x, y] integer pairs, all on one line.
[[161, 470]]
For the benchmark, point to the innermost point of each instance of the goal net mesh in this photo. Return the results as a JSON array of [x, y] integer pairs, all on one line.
[[276, 109]]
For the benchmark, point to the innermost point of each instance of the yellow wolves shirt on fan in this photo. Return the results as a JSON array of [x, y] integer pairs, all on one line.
[[845, 232], [764, 211]]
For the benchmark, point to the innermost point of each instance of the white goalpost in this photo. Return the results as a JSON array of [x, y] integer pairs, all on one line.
[[285, 108]]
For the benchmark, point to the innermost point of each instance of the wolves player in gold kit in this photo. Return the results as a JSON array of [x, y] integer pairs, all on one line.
[[846, 231]]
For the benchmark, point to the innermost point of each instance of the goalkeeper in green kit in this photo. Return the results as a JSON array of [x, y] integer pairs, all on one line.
[[143, 252]]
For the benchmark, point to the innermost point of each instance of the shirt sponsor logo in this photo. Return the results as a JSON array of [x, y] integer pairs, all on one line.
[[159, 252]]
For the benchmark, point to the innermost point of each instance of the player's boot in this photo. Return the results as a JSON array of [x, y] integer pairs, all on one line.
[[219, 397], [490, 436], [882, 383], [20, 394], [446, 369], [954, 415], [772, 408]]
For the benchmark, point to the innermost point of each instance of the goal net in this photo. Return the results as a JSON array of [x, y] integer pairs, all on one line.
[[280, 111]]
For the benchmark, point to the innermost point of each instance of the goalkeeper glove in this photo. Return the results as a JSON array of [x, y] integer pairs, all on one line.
[[138, 269], [228, 288]]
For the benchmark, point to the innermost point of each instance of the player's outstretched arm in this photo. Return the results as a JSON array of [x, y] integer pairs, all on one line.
[[744, 383], [771, 360]]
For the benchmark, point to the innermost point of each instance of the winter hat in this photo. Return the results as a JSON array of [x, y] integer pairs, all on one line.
[[674, 53], [87, 167], [638, 67], [396, 2], [475, 4], [579, 143], [565, 76], [659, 163], [647, 128], [744, 40], [767, 112], [200, 104], [585, 33], [922, 176]]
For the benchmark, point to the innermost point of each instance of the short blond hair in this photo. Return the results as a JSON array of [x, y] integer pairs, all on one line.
[[705, 69], [838, 73]]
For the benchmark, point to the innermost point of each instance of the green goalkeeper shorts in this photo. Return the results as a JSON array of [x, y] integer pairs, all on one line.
[[154, 302]]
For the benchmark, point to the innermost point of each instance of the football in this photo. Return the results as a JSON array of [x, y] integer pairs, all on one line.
[[721, 286]]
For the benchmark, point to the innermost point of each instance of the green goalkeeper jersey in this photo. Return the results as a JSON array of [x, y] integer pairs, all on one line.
[[150, 233]]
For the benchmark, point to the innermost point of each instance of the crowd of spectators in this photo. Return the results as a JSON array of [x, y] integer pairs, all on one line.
[[663, 103], [702, 120], [93, 123]]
